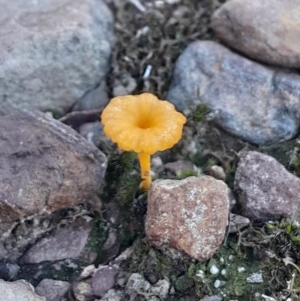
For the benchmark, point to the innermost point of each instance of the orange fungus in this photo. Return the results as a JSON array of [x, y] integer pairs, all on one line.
[[143, 124]]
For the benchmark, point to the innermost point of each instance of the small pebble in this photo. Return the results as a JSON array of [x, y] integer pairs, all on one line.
[[214, 270], [156, 162], [255, 278], [200, 274], [217, 283], [87, 271], [223, 272]]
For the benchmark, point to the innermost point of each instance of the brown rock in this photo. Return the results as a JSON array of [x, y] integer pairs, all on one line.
[[44, 165], [267, 191], [264, 30], [189, 215]]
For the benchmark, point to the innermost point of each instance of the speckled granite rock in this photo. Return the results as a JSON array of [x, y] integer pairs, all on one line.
[[267, 191], [188, 215]]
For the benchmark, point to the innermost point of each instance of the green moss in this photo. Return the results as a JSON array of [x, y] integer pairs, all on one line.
[[187, 173], [183, 283], [97, 240], [200, 112]]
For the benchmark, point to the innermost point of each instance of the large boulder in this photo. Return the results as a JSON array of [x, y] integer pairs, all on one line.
[[52, 52], [267, 31], [256, 103], [44, 165]]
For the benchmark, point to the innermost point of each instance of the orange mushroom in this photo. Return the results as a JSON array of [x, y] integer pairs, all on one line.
[[143, 124]]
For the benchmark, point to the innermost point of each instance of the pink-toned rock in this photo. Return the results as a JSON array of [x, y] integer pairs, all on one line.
[[267, 31], [189, 215], [267, 191]]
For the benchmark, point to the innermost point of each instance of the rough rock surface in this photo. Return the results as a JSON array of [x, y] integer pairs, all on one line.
[[53, 290], [44, 165], [267, 191], [52, 52], [237, 222], [189, 215], [104, 279], [94, 99], [63, 243], [253, 102], [264, 30], [8, 269], [18, 291]]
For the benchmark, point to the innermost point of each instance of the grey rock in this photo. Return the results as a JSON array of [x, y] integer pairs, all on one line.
[[255, 278], [44, 165], [104, 279], [8, 269], [188, 215], [94, 99], [93, 132], [137, 283], [125, 85], [113, 295], [111, 246], [52, 52], [18, 291], [161, 288], [266, 31], [83, 290], [63, 243], [217, 172], [267, 191], [237, 222], [53, 290], [258, 104], [87, 271]]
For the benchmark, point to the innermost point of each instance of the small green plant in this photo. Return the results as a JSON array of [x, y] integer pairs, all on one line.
[[200, 112], [186, 173]]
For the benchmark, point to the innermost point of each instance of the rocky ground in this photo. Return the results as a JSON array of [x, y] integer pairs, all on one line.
[[221, 220]]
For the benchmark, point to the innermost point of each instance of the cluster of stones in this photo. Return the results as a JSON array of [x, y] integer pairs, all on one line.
[[250, 85]]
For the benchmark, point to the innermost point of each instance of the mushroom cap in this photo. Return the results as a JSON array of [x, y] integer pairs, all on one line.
[[142, 123]]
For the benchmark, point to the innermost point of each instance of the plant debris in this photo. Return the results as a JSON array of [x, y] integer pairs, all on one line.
[[150, 35]]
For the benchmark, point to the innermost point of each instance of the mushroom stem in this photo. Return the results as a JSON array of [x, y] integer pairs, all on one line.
[[145, 170]]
